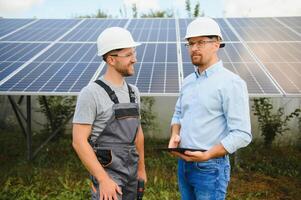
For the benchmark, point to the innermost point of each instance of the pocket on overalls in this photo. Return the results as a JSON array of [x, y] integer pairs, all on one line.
[[123, 113], [104, 156]]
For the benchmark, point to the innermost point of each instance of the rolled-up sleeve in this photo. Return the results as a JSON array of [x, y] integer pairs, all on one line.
[[237, 113], [177, 114]]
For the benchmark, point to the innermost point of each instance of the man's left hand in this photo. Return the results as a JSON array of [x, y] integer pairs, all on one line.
[[141, 173], [193, 156]]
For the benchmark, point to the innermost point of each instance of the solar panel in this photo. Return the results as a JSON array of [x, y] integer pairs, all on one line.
[[58, 57], [90, 29], [14, 55], [262, 29], [63, 68], [283, 62], [292, 23], [153, 30], [9, 25], [43, 30]]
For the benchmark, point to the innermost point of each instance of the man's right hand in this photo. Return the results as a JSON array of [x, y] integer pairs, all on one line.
[[109, 189], [174, 141]]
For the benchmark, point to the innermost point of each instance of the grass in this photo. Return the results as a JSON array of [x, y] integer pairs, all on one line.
[[56, 173]]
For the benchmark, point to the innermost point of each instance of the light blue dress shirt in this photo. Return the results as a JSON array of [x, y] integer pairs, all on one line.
[[213, 108]]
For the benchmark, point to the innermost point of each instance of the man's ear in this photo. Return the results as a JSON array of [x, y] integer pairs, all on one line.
[[217, 44], [110, 60]]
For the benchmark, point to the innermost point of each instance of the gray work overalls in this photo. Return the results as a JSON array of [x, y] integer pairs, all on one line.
[[115, 146]]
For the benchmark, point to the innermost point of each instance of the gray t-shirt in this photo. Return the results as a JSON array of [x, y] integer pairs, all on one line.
[[94, 105]]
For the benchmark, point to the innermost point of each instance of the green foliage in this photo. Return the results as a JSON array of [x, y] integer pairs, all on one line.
[[188, 7], [134, 10], [274, 161], [271, 124], [299, 136], [157, 14], [148, 117], [196, 11], [60, 107], [99, 14], [57, 173], [151, 13]]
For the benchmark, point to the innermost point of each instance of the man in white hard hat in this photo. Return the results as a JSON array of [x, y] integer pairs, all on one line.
[[107, 134], [211, 118]]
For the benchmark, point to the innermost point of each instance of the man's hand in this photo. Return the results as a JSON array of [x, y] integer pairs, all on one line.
[[174, 141], [141, 173], [199, 156], [193, 156], [109, 189]]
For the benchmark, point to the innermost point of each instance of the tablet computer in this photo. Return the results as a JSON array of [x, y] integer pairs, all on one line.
[[180, 150]]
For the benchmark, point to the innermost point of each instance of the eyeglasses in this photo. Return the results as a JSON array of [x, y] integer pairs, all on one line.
[[129, 55], [199, 44]]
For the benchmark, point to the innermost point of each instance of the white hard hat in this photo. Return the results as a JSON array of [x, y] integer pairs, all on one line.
[[203, 26], [114, 38]]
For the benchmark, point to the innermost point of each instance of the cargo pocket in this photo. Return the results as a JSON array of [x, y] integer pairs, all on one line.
[[104, 156]]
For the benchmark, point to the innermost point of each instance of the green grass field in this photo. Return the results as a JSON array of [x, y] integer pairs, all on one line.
[[56, 173]]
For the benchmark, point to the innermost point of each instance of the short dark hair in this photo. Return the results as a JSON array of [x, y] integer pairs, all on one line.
[[105, 56]]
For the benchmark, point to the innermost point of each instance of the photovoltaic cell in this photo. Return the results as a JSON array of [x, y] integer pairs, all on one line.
[[157, 68], [9, 25], [74, 52], [63, 68], [153, 30], [292, 22], [43, 30], [90, 29], [13, 55], [283, 62], [262, 29]]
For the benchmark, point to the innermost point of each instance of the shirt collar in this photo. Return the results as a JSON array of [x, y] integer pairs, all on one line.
[[210, 70]]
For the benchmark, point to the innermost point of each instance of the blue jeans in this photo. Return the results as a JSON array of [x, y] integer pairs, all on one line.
[[204, 180]]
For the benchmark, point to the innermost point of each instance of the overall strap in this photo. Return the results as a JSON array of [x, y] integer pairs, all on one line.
[[132, 94], [110, 92]]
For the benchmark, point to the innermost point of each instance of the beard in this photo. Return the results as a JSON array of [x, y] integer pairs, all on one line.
[[125, 71], [197, 61]]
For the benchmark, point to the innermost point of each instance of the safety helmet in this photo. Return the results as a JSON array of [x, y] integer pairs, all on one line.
[[203, 26], [114, 38]]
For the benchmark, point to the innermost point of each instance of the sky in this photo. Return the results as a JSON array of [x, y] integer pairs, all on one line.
[[122, 8]]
